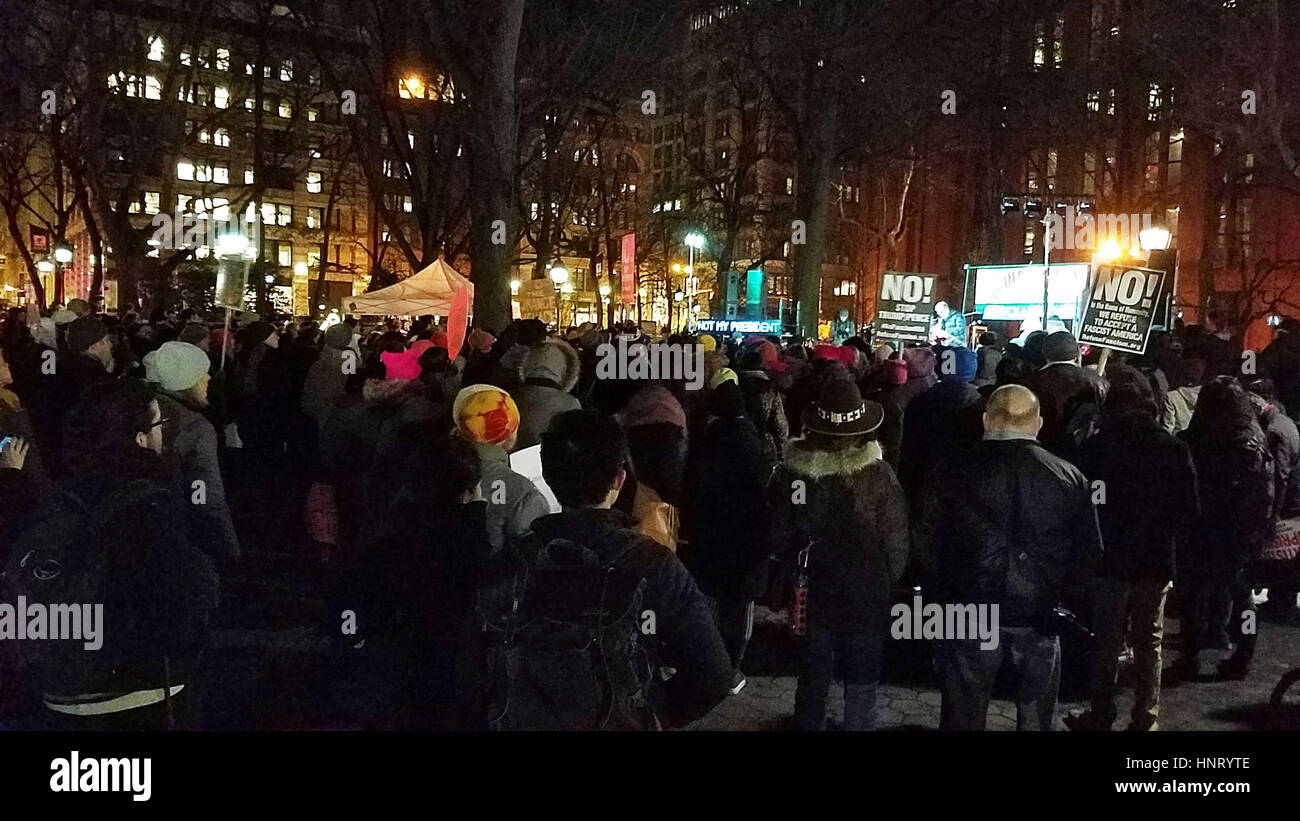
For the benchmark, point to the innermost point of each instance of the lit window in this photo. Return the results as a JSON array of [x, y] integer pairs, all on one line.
[[248, 176], [221, 173], [313, 114], [134, 207], [314, 218], [221, 138], [184, 170], [223, 59], [789, 185], [284, 254], [156, 48], [204, 136], [152, 88], [283, 214], [152, 202], [249, 104], [185, 58], [407, 204], [410, 138], [313, 182], [533, 210], [286, 70], [268, 213], [221, 97], [286, 109]]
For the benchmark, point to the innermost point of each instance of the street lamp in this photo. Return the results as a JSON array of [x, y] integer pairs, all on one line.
[[678, 308], [1109, 251], [559, 276], [1154, 238], [62, 254], [45, 266], [514, 287]]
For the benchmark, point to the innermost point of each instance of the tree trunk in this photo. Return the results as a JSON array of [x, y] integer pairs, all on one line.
[[493, 152]]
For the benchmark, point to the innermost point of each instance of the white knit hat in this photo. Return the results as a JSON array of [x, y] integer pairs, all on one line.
[[180, 366]]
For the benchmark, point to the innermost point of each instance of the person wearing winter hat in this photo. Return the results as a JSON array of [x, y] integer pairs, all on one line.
[[480, 341], [79, 307], [197, 334], [849, 528], [656, 433], [723, 375], [488, 418], [549, 372], [150, 363], [64, 317], [190, 448], [940, 421]]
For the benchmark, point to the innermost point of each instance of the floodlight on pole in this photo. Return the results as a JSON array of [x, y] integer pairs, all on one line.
[[1154, 238], [62, 254]]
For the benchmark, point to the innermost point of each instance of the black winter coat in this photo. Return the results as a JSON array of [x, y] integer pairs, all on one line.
[[1023, 512], [686, 637], [850, 506], [1150, 501], [1235, 484], [1062, 389], [726, 510]]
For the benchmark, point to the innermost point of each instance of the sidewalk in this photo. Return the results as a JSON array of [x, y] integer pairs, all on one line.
[[767, 701]]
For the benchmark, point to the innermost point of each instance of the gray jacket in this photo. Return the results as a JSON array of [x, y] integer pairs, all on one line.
[[513, 501], [190, 451]]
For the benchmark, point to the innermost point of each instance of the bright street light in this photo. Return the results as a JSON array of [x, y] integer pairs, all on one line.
[[695, 240], [559, 274], [231, 245], [514, 286], [604, 289], [1154, 238], [62, 254], [45, 266], [1109, 251]]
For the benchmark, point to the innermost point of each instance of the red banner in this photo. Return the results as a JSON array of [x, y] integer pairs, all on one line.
[[629, 268]]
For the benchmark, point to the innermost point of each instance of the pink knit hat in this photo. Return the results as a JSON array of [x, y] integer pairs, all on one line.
[[653, 405]]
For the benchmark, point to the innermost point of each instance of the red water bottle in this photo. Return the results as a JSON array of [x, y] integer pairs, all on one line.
[[799, 601]]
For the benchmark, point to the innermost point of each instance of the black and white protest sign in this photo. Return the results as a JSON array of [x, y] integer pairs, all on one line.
[[1120, 306], [905, 305]]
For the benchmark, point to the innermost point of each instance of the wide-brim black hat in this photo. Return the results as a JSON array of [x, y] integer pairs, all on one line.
[[841, 411]]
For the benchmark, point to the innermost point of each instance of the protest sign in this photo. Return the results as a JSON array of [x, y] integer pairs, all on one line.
[[904, 309], [1120, 305]]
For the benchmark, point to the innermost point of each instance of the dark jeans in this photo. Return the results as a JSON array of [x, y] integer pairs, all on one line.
[[1243, 632], [1207, 607], [735, 621], [966, 674], [860, 657]]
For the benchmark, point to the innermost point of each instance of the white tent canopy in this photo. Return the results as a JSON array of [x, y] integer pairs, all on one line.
[[428, 291]]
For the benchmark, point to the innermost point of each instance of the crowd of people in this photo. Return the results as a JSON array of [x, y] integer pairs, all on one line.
[[618, 589]]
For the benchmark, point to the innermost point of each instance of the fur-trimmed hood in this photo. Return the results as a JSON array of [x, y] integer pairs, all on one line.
[[553, 362], [389, 392], [803, 460]]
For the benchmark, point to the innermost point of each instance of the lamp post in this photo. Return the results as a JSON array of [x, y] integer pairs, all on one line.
[[677, 307], [559, 276], [62, 256], [605, 291], [694, 242]]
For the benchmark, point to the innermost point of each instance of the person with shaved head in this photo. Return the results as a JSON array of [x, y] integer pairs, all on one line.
[[1017, 537]]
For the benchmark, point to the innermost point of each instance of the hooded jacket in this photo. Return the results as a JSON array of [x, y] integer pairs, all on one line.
[[359, 438], [549, 372], [848, 510]]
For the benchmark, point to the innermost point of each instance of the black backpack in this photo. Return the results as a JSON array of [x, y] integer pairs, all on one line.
[[61, 557], [565, 650]]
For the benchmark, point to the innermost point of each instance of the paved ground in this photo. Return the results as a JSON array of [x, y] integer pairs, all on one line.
[[767, 701]]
